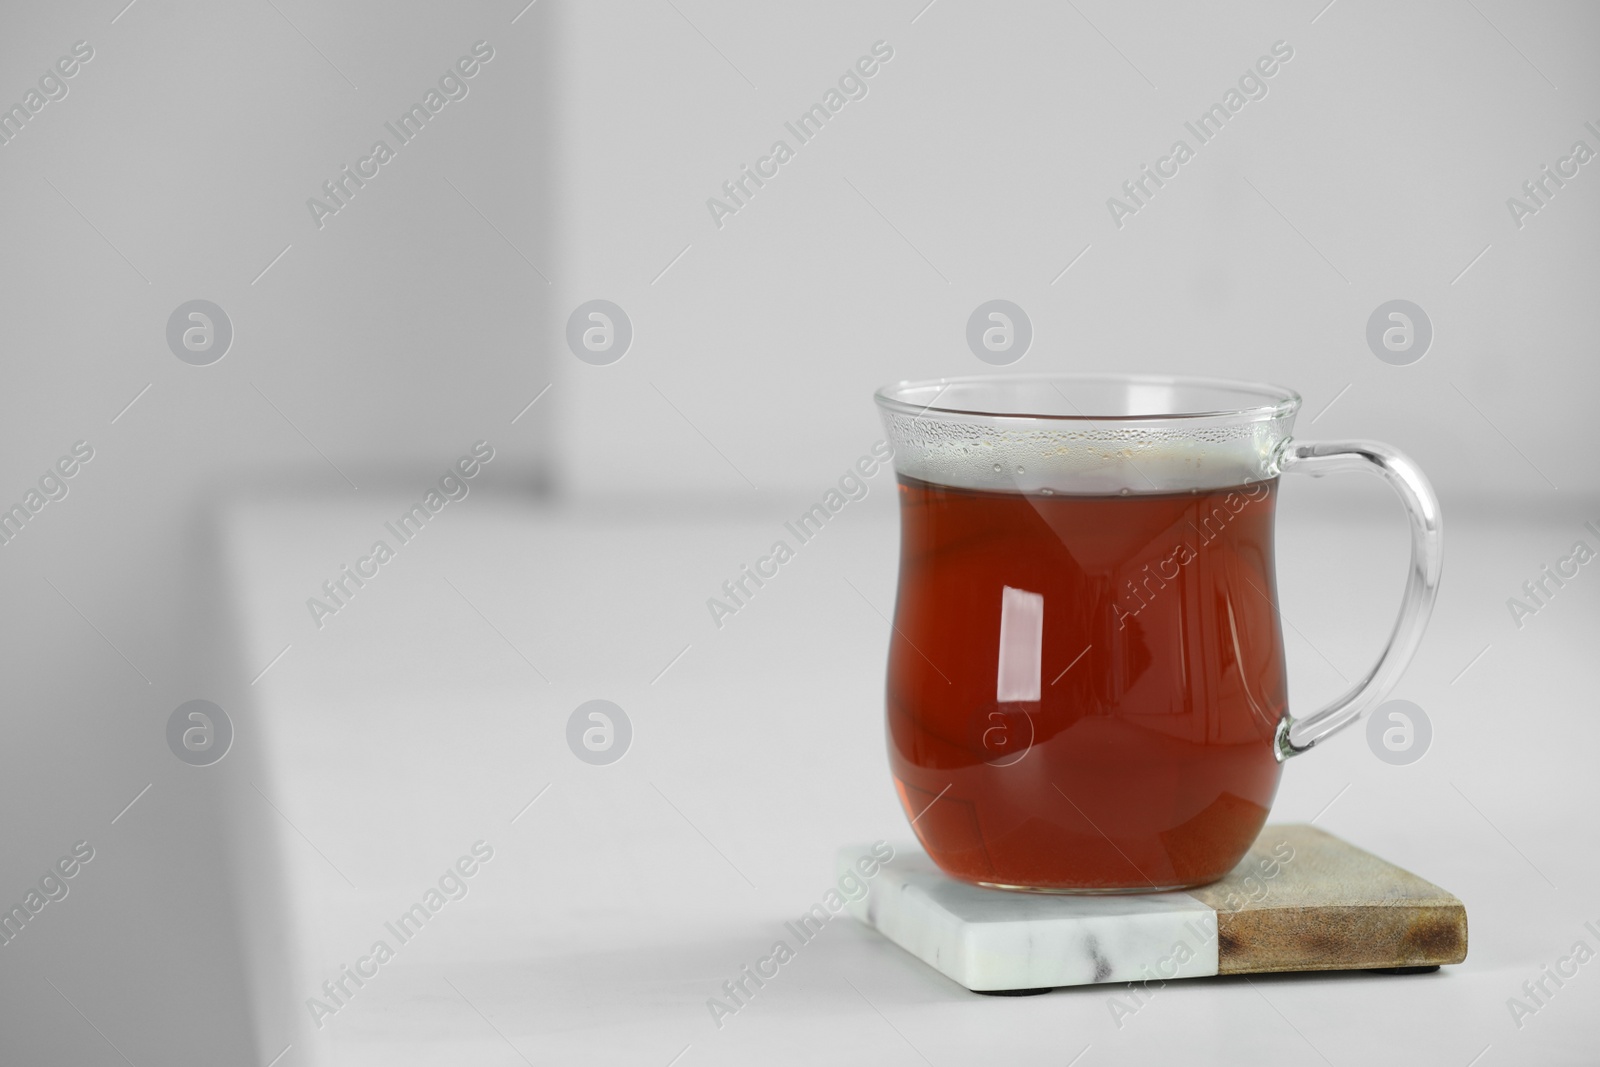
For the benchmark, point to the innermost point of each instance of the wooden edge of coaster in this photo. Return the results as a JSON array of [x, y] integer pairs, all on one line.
[[1305, 900], [1362, 937]]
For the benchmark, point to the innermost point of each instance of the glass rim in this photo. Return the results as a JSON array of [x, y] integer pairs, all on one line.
[[1276, 401]]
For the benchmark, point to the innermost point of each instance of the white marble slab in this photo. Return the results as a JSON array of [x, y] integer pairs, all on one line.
[[991, 940]]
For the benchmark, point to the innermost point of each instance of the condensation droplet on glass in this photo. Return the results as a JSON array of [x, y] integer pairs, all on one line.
[[997, 468], [1019, 468], [1124, 491]]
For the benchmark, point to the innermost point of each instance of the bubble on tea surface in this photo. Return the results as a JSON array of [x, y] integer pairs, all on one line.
[[1098, 456]]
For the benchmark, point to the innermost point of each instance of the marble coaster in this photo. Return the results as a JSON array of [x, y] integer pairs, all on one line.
[[1300, 900]]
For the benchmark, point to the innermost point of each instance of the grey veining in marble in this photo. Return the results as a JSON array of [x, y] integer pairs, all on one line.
[[991, 939]]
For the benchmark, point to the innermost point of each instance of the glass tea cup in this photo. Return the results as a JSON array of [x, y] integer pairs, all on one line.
[[1086, 684]]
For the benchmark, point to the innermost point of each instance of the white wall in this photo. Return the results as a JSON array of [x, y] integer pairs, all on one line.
[[991, 142]]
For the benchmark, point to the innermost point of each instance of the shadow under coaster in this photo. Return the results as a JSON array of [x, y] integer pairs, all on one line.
[[1300, 900]]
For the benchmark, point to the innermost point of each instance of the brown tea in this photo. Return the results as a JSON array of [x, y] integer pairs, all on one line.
[[1083, 690]]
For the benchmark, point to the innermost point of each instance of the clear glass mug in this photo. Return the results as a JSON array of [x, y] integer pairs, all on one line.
[[1086, 688]]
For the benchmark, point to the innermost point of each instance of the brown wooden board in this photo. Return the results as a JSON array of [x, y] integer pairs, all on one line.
[[1329, 906]]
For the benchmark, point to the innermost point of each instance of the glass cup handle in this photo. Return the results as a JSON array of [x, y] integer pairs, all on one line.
[[1296, 734]]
